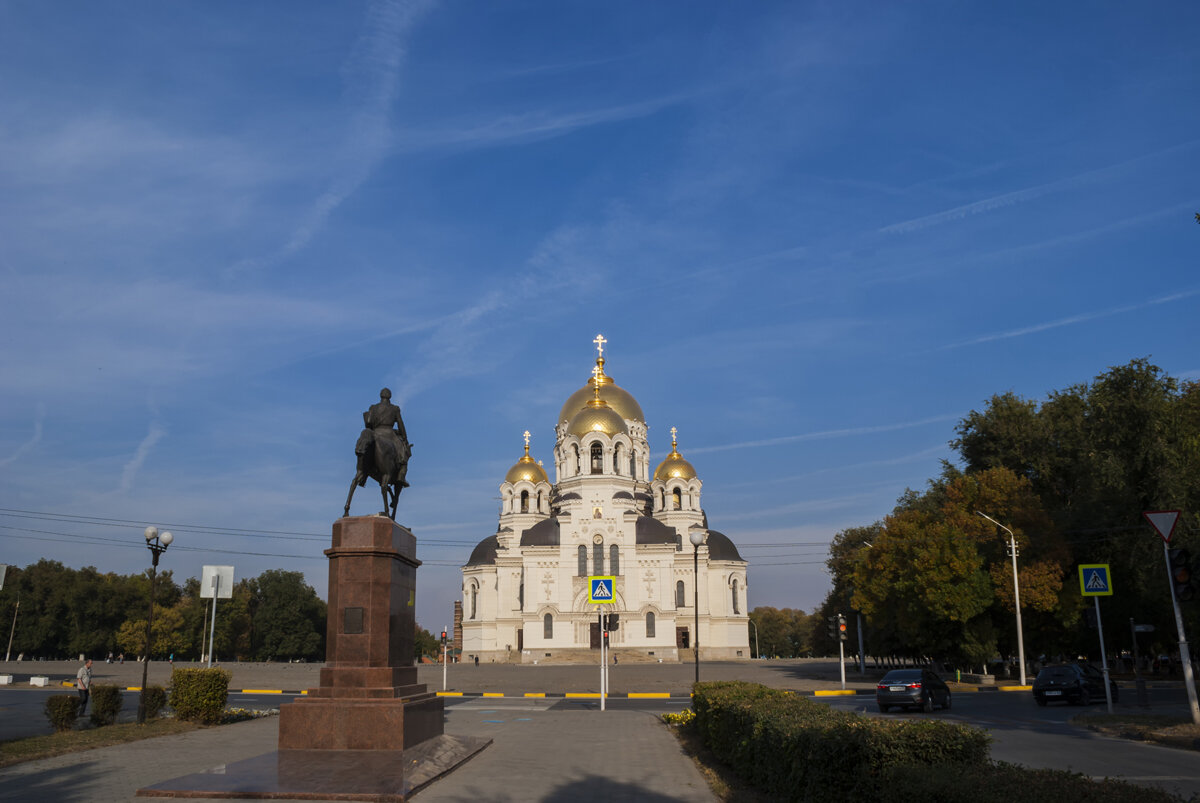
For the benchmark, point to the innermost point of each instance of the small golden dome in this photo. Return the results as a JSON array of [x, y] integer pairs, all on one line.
[[526, 468], [616, 397], [674, 465]]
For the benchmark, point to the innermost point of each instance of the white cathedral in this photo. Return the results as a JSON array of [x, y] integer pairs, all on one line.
[[525, 589]]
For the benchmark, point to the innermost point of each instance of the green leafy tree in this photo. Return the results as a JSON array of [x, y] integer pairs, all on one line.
[[288, 617], [426, 643]]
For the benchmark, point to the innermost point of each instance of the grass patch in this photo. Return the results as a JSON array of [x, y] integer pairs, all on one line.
[[726, 786], [33, 748], [1163, 729]]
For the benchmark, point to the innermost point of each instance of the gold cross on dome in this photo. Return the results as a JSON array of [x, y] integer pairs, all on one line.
[[596, 373], [600, 341], [673, 432], [526, 437]]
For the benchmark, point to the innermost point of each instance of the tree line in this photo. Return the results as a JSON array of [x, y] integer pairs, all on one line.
[[1071, 476], [66, 612]]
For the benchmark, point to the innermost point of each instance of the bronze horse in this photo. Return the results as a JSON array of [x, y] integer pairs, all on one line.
[[385, 465], [383, 451]]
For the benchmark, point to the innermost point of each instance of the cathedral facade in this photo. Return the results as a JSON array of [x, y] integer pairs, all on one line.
[[608, 513]]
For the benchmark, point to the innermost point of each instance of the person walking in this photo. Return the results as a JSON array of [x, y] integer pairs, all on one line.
[[83, 681]]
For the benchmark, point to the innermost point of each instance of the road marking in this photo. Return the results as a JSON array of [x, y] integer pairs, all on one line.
[[834, 693], [635, 695]]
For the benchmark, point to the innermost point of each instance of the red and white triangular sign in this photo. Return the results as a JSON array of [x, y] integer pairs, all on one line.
[[1163, 521]]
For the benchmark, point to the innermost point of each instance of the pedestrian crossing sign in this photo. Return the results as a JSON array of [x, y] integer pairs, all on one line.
[[600, 590], [1095, 580]]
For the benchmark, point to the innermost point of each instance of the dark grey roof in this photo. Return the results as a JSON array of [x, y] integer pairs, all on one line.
[[720, 547], [544, 533], [643, 497], [484, 553], [570, 497], [650, 530], [623, 495]]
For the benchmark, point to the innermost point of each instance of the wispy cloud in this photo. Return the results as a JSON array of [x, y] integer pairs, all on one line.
[[1069, 321], [1027, 194], [371, 74], [25, 447], [129, 473], [826, 434]]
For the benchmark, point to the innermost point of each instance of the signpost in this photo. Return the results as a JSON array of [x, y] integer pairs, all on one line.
[[601, 593], [1095, 581], [216, 582], [1164, 522]]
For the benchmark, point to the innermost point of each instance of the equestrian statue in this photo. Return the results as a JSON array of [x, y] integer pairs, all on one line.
[[382, 451]]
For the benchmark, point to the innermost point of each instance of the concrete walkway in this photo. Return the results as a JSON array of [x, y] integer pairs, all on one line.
[[542, 751]]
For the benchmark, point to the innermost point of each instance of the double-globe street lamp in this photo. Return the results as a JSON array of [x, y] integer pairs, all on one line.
[[157, 544], [1012, 550], [697, 539]]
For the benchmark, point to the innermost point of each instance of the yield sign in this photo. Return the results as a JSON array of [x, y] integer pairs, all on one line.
[[1163, 521]]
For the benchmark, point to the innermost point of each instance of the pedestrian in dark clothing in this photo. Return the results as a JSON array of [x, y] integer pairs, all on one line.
[[83, 681]]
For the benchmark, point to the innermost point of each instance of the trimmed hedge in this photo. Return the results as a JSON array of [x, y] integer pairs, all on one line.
[[62, 710], [199, 695], [802, 750], [156, 701], [951, 783], [106, 704]]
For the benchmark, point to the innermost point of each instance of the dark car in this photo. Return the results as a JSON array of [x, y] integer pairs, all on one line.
[[1077, 684], [917, 688]]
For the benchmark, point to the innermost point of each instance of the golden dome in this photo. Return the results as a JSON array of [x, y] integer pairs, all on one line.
[[674, 465], [526, 468], [616, 397], [597, 416]]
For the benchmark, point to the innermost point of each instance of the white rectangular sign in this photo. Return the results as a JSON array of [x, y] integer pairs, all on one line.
[[223, 575]]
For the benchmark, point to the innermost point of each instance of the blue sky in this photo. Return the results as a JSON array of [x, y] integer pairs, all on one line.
[[815, 236]]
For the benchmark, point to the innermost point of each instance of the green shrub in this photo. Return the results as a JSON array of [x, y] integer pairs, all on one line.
[[106, 704], [802, 750], [199, 695], [156, 700], [62, 710], [950, 783]]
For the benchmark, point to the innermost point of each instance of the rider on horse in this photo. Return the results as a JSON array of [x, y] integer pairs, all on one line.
[[385, 429]]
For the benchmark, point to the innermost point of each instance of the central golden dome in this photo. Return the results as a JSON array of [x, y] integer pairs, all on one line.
[[616, 397], [597, 416]]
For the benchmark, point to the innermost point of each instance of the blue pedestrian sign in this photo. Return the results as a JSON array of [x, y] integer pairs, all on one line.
[[1095, 580], [600, 590]]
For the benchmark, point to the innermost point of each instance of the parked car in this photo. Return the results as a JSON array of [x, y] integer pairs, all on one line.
[[916, 688], [1077, 684]]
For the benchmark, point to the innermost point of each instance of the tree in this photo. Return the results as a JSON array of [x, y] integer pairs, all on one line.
[[288, 617], [167, 632], [425, 643]]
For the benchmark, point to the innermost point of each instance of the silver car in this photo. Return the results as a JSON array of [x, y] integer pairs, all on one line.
[[912, 688]]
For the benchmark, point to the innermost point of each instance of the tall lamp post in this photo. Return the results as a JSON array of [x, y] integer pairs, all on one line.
[[697, 539], [1012, 550], [157, 545]]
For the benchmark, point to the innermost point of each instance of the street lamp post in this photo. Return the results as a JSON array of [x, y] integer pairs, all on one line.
[[757, 654], [1012, 550], [697, 539], [157, 544]]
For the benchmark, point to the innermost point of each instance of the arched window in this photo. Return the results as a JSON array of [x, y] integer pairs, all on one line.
[[678, 542], [597, 558], [614, 559], [474, 594], [548, 627], [521, 593], [575, 450], [617, 459], [582, 561], [735, 601], [650, 624], [679, 601], [539, 502], [676, 499], [597, 459], [633, 466], [524, 501]]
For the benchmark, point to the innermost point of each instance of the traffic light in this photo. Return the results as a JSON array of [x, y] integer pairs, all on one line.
[[1089, 618], [611, 621], [832, 627], [1182, 581], [606, 638], [841, 626], [443, 636]]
